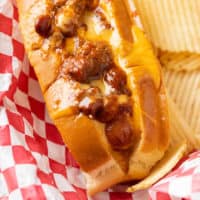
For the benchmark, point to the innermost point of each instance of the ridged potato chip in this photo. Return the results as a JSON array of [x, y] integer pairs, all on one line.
[[171, 25], [183, 61], [180, 129], [184, 90]]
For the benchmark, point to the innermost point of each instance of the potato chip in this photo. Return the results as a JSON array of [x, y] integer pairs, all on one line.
[[171, 25], [183, 61], [180, 129], [184, 89], [171, 158]]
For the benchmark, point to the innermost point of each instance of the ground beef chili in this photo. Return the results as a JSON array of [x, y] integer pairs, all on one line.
[[68, 17], [116, 79], [93, 61], [92, 4], [91, 102], [59, 3], [102, 19], [90, 61], [110, 109], [43, 25]]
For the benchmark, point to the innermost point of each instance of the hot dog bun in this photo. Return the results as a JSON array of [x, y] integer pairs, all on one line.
[[110, 148]]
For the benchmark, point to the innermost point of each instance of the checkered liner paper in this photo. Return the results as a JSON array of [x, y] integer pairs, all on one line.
[[34, 162]]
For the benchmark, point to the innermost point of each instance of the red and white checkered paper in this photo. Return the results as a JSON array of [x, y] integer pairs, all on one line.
[[34, 162]]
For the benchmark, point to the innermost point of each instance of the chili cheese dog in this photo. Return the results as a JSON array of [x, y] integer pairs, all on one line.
[[102, 86]]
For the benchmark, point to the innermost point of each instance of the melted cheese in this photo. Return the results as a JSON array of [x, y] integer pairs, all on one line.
[[128, 44]]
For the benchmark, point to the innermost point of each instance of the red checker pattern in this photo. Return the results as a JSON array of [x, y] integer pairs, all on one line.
[[6, 63], [16, 121], [33, 192], [119, 196], [22, 156], [163, 196], [183, 170], [11, 179], [23, 82], [18, 50], [52, 134], [37, 107], [70, 160], [15, 14], [4, 198], [46, 178], [32, 73], [25, 113], [36, 145], [5, 24], [5, 136], [1, 97], [57, 167], [71, 196], [162, 187], [187, 172], [195, 183], [12, 89], [81, 193]]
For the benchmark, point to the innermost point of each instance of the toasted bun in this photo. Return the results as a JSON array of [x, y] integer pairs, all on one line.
[[102, 165]]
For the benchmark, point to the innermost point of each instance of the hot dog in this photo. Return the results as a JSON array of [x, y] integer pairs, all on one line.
[[102, 85]]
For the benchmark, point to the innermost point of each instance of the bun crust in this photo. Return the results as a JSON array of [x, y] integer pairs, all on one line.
[[103, 165]]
